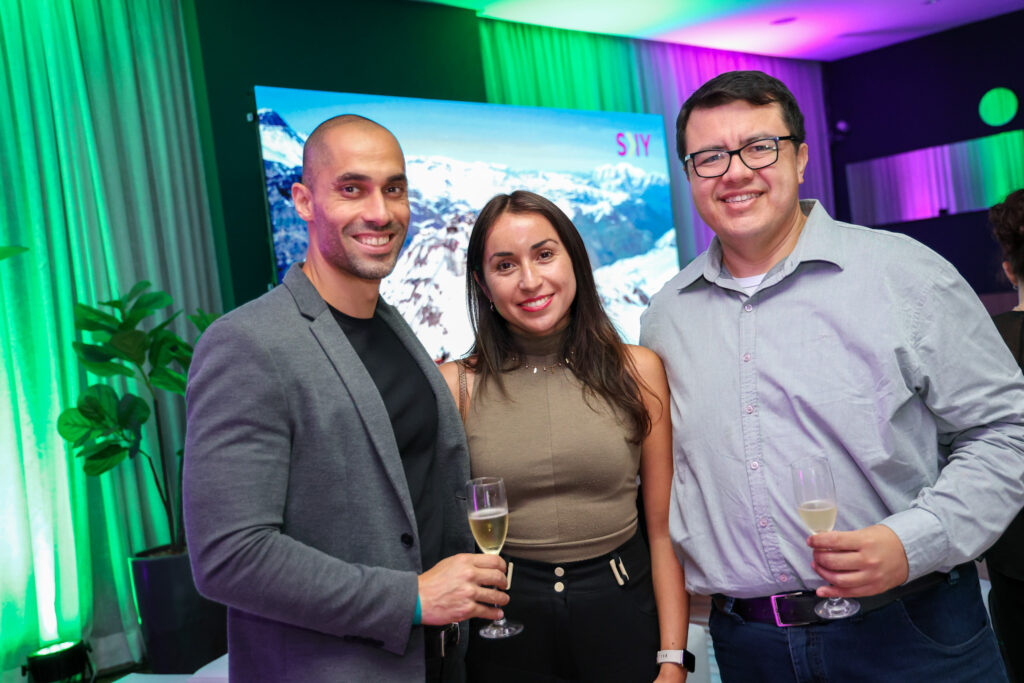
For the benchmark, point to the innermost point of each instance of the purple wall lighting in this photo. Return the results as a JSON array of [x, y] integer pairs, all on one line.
[[935, 181]]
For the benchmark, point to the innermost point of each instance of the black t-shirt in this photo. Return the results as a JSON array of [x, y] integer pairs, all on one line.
[[412, 407]]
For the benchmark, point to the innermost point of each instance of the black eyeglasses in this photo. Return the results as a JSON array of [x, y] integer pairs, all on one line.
[[712, 163]]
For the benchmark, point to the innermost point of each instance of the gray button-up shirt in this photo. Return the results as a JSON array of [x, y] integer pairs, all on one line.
[[862, 346]]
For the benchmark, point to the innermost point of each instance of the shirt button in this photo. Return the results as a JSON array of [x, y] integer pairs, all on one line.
[[407, 540], [748, 308], [559, 572], [749, 409], [559, 587], [784, 578], [763, 522], [746, 358], [754, 465]]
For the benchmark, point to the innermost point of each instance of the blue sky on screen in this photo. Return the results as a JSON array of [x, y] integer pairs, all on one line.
[[470, 131]]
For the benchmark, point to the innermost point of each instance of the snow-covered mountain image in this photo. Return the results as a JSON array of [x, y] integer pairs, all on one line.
[[622, 211]]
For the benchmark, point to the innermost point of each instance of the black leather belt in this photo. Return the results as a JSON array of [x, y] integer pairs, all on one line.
[[440, 640], [797, 608]]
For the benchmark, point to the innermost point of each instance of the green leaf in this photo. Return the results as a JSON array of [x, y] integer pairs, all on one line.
[[134, 443], [113, 303], [159, 352], [201, 319], [131, 344], [168, 379], [122, 303], [137, 288], [161, 326], [86, 438], [134, 317], [95, 446], [108, 369], [9, 251], [105, 459], [92, 319], [94, 353], [152, 301], [132, 412], [184, 358], [98, 403], [168, 346], [72, 425]]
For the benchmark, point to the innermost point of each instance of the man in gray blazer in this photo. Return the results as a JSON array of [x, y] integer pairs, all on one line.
[[325, 457]]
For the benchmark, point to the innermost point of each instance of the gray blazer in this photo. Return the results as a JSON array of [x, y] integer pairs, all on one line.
[[297, 510]]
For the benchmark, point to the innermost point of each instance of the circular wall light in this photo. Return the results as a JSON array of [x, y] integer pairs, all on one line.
[[998, 106]]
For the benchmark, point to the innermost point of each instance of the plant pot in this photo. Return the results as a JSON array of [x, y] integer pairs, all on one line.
[[181, 629]]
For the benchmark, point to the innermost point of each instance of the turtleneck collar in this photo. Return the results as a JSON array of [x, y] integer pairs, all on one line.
[[540, 349]]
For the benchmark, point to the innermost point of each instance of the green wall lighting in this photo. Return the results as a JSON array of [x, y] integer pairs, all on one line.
[[998, 106]]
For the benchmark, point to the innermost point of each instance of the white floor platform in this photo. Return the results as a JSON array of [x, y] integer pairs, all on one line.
[[214, 672]]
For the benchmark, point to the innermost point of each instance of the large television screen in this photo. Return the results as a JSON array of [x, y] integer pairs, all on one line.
[[607, 171]]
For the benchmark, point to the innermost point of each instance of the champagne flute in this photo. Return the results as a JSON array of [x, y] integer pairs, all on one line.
[[488, 520], [816, 503]]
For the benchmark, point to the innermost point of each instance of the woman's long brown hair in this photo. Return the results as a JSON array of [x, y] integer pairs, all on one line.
[[596, 354]]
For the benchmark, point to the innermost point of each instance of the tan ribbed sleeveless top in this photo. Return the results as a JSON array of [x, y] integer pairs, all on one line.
[[570, 472]]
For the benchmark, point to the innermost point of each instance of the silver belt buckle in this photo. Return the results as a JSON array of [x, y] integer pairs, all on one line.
[[775, 610]]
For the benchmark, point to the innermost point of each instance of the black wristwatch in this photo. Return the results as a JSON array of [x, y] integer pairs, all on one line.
[[684, 657]]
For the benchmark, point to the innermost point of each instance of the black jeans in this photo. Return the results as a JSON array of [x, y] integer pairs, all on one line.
[[580, 624]]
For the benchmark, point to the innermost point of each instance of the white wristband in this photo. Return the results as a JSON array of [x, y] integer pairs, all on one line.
[[683, 657]]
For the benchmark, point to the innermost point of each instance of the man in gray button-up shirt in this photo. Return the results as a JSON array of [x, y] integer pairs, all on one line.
[[795, 335]]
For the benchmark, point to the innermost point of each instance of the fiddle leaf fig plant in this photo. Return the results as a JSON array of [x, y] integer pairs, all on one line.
[[105, 426]]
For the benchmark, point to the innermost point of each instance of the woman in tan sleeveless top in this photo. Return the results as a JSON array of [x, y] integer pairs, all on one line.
[[570, 417]]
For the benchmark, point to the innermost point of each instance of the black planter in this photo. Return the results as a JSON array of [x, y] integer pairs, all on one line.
[[181, 629]]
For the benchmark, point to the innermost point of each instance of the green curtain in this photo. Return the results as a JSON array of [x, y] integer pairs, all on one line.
[[102, 181], [546, 67]]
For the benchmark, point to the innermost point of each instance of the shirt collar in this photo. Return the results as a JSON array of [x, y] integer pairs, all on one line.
[[817, 242]]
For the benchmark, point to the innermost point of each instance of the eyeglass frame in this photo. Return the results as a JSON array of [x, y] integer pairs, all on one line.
[[736, 152]]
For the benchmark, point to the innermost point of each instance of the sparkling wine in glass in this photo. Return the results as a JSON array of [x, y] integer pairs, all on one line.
[[815, 493], [488, 520]]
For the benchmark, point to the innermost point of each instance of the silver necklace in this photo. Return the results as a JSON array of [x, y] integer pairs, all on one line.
[[550, 369]]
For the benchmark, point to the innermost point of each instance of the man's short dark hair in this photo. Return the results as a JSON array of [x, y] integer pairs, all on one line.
[[755, 87]]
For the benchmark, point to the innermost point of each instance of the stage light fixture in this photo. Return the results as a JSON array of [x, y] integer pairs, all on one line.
[[60, 662]]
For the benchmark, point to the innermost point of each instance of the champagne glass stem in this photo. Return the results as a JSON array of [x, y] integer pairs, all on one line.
[[488, 520], [815, 491]]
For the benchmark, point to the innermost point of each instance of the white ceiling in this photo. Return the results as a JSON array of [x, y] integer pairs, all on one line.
[[823, 30]]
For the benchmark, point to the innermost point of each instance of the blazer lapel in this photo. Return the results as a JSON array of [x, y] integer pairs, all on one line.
[[357, 380]]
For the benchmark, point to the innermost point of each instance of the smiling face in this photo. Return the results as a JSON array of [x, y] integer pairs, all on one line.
[[356, 202], [756, 214], [528, 274]]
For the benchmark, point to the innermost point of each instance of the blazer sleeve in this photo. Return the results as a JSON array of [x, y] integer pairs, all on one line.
[[238, 460]]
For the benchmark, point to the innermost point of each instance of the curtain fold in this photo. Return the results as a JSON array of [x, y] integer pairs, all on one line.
[[102, 181], [546, 67]]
